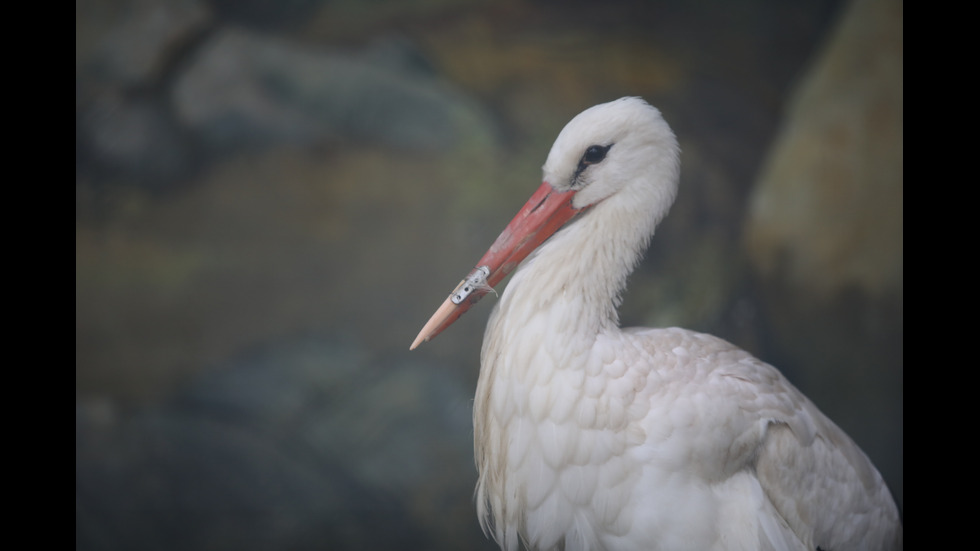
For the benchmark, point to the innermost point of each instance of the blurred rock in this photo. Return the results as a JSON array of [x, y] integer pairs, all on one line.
[[247, 89], [145, 39], [124, 60], [303, 446], [164, 480], [827, 212], [162, 87]]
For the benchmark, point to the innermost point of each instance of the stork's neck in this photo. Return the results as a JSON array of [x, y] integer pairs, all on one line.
[[556, 306], [569, 290]]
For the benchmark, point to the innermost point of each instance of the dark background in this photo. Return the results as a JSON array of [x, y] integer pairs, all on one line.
[[272, 197]]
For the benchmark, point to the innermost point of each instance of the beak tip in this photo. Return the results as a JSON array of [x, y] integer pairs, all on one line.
[[432, 327]]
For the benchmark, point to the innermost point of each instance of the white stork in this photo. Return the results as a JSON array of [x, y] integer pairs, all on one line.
[[590, 437]]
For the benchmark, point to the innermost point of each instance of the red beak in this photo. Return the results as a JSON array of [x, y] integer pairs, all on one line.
[[543, 214]]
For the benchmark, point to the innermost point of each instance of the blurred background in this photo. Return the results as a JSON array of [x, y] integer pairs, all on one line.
[[271, 198]]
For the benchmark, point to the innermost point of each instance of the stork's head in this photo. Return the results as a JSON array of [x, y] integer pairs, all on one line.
[[622, 151], [612, 146]]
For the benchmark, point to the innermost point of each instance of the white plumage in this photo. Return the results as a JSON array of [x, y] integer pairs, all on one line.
[[591, 437]]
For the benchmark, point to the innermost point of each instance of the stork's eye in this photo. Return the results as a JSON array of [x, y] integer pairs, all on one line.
[[594, 154]]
